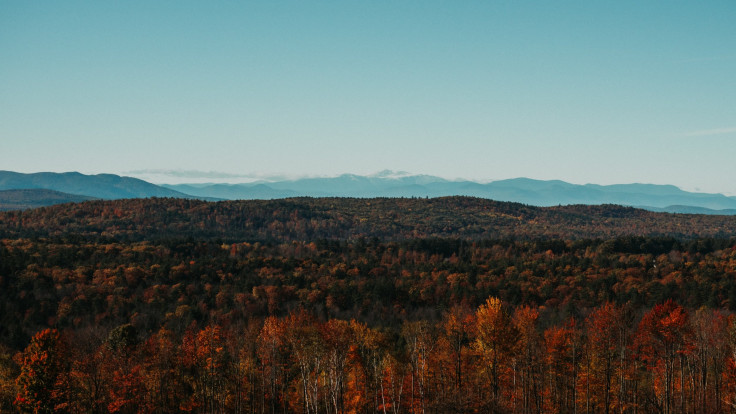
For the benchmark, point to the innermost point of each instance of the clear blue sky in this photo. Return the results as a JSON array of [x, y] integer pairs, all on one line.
[[587, 91]]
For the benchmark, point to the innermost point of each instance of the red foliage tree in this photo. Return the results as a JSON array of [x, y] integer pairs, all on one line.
[[663, 340]]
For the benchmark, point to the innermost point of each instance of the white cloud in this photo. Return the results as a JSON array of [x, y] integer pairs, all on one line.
[[710, 132], [176, 176], [184, 173]]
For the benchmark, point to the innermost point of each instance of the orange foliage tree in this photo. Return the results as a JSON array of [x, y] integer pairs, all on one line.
[[43, 365], [496, 343]]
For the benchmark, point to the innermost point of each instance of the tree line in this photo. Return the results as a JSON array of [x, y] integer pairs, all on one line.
[[494, 358], [305, 219]]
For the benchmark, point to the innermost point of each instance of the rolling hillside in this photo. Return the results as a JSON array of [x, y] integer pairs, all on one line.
[[25, 199], [353, 218]]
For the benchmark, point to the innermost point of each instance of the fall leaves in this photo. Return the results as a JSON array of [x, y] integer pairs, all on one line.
[[493, 358], [42, 370], [90, 322], [311, 219]]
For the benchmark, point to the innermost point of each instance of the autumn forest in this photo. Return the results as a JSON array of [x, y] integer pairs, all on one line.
[[307, 305]]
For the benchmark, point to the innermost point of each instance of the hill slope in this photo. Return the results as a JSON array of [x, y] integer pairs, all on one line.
[[348, 219], [24, 199]]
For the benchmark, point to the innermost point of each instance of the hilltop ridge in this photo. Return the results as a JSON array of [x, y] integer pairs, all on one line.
[[351, 219]]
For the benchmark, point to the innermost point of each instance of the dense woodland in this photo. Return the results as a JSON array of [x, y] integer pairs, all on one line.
[[305, 219], [365, 305]]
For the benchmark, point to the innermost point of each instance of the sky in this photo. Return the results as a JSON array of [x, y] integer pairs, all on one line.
[[583, 91]]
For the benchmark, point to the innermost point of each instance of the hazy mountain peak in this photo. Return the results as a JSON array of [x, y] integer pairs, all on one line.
[[391, 174]]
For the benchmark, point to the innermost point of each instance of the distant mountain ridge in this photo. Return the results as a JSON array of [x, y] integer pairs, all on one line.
[[32, 198], [541, 193], [660, 198], [691, 210], [105, 186]]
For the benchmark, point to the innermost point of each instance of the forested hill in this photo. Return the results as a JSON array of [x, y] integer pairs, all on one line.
[[36, 197], [350, 219]]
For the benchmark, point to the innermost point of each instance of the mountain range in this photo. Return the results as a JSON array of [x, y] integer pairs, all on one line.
[[105, 186], [665, 198], [661, 198]]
